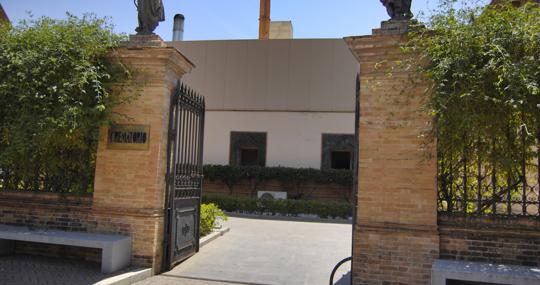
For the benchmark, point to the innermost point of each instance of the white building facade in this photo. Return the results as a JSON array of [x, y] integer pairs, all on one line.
[[275, 102]]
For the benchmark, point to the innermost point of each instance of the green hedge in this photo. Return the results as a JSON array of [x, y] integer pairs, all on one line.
[[231, 175], [323, 209]]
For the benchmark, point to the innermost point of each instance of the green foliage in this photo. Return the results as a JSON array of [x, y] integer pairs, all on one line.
[[483, 66], [231, 175], [323, 209], [210, 218], [55, 91]]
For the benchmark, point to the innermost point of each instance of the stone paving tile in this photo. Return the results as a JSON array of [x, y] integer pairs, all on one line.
[[176, 280], [37, 270], [266, 252]]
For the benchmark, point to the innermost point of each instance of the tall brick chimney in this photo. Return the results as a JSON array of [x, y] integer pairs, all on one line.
[[264, 20], [3, 15]]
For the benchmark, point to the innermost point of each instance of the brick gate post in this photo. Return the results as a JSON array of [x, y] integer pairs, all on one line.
[[395, 237], [130, 173]]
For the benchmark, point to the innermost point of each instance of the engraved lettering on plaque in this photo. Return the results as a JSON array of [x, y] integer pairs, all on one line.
[[129, 137]]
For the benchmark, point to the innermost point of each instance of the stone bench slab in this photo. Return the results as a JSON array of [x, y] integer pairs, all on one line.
[[443, 270], [116, 249]]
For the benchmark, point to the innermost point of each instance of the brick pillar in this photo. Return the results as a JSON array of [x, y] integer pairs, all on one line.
[[395, 237], [130, 184]]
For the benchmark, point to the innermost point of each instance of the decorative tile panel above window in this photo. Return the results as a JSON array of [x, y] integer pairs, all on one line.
[[247, 149], [337, 151]]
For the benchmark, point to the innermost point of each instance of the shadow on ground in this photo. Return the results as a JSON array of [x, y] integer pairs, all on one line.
[[344, 280], [36, 270]]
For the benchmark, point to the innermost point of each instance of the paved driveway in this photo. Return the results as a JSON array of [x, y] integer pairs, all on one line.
[[258, 251]]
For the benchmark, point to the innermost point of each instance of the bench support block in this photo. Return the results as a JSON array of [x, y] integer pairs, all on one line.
[[116, 256], [490, 273], [115, 249]]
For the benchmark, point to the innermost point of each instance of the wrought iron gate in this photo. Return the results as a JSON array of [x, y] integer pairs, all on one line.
[[184, 175]]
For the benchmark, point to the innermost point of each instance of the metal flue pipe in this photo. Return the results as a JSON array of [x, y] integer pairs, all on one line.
[[178, 28]]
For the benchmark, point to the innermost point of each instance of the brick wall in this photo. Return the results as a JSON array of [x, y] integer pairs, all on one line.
[[308, 191], [395, 238], [46, 210], [502, 240], [129, 188], [68, 213]]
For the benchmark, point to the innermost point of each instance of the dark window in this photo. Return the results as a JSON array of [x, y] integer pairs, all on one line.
[[337, 151], [247, 149], [249, 156], [341, 160]]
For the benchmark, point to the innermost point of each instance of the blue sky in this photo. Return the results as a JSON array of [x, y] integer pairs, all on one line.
[[233, 19]]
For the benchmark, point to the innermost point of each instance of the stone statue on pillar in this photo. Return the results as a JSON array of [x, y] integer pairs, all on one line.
[[398, 9], [151, 12]]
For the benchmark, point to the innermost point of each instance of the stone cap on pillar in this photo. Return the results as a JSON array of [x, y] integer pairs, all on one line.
[[144, 47], [393, 27], [142, 41]]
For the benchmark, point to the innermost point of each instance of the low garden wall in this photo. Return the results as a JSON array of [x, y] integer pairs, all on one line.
[[72, 213], [502, 240], [298, 183], [307, 191]]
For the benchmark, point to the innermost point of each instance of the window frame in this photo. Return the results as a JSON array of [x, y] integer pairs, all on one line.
[[247, 140]]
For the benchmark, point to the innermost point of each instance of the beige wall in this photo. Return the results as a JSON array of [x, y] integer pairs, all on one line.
[[295, 90], [300, 75], [294, 139], [281, 30]]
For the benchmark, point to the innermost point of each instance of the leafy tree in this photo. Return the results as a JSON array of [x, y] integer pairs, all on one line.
[[55, 91], [483, 66]]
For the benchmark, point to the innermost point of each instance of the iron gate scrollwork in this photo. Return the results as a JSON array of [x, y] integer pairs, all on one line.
[[184, 175]]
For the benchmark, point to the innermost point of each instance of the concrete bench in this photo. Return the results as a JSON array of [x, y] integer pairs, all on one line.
[[116, 249], [484, 273]]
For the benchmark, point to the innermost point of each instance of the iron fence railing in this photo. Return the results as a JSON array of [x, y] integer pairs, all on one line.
[[74, 180], [471, 184]]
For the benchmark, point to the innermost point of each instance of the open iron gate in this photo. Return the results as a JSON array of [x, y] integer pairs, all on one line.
[[184, 175]]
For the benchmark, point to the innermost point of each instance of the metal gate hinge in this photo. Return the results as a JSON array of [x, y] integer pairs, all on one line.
[[169, 177]]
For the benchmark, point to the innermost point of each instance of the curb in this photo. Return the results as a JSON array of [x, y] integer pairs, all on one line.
[[214, 235], [127, 278], [289, 218]]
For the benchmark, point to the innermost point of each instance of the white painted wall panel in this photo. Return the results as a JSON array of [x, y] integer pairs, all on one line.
[[236, 76], [322, 94], [257, 81], [299, 75], [214, 75], [343, 82], [294, 139], [278, 75]]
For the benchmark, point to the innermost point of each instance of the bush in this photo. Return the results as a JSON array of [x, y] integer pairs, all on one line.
[[56, 79], [483, 71], [294, 177], [323, 209], [209, 218]]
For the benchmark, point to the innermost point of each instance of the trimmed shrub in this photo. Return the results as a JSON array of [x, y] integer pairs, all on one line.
[[323, 209], [291, 177], [231, 175], [209, 218]]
